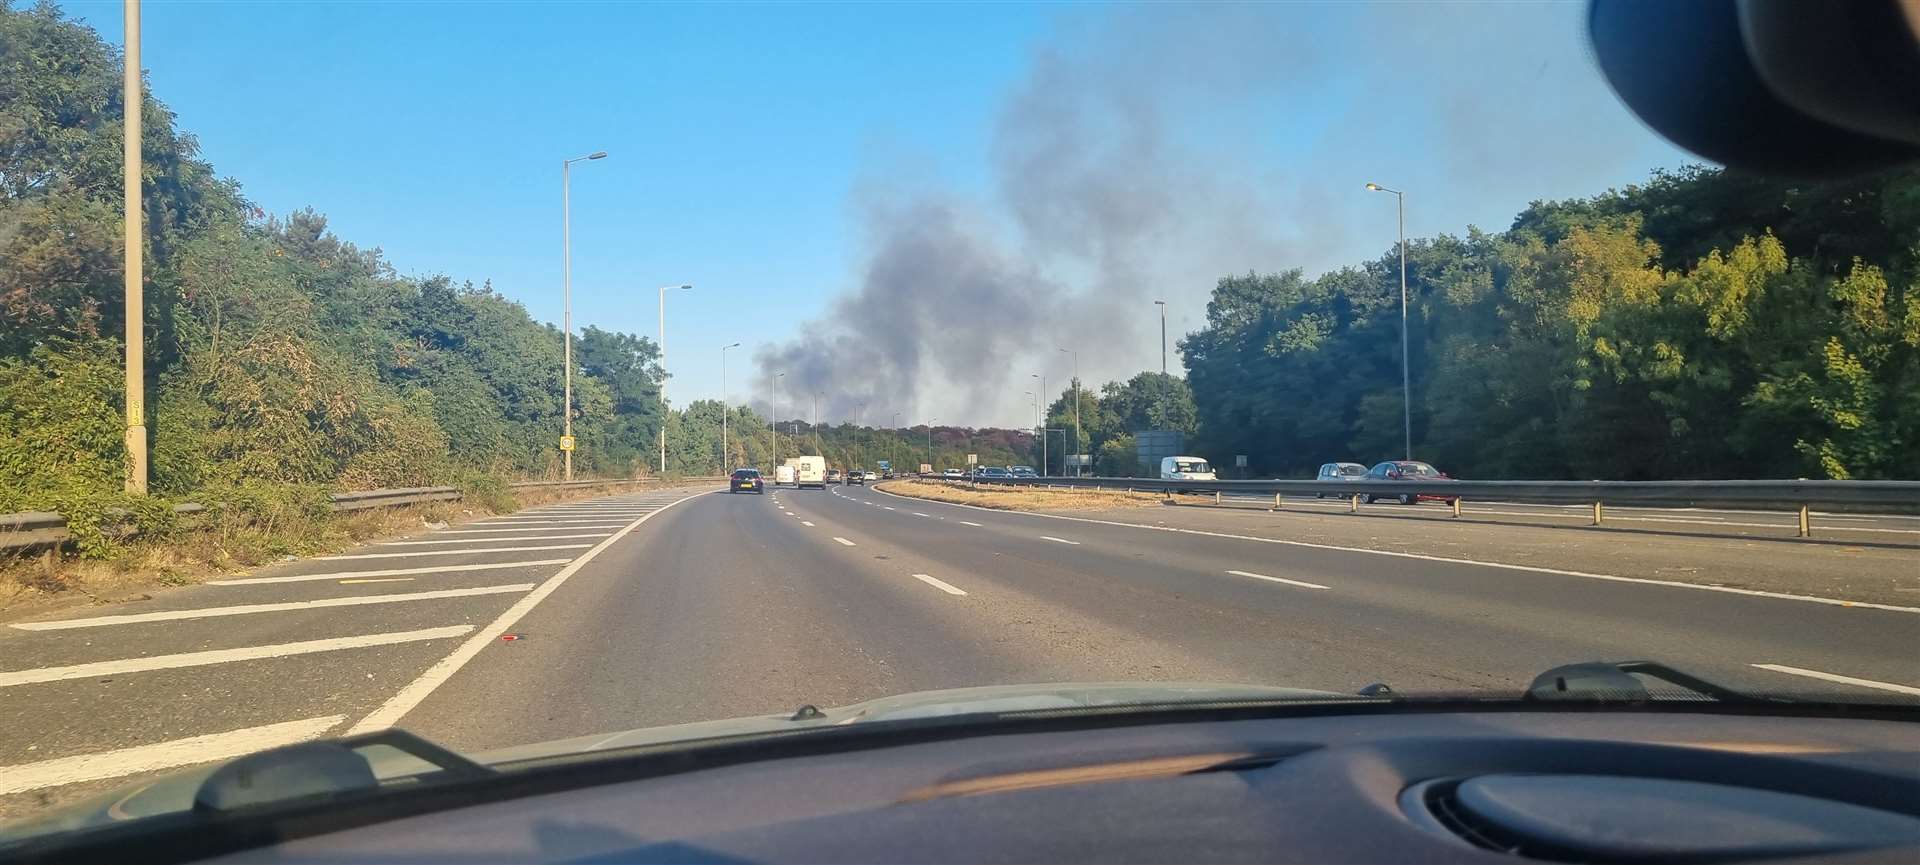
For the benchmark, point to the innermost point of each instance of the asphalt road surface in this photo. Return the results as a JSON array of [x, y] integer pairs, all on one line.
[[678, 606]]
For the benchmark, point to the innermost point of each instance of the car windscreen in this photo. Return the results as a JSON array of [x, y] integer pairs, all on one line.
[[1191, 466]]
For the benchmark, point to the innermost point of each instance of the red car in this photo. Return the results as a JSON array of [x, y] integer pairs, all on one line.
[[1408, 470], [746, 480]]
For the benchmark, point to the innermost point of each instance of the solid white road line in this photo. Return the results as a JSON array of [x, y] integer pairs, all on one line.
[[222, 656], [512, 529], [388, 572], [1277, 580], [1058, 540], [938, 584], [521, 525], [807, 523], [452, 552], [244, 609], [1844, 680], [889, 508], [844, 542], [971, 523], [491, 540], [380, 580], [410, 696], [161, 755], [1536, 569]]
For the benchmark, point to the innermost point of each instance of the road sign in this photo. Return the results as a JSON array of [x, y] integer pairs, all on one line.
[[1079, 459], [1240, 461], [566, 443], [885, 465], [973, 459], [926, 468]]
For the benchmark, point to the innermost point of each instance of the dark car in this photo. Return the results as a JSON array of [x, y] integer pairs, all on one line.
[[857, 476], [1408, 470], [746, 479], [994, 473]]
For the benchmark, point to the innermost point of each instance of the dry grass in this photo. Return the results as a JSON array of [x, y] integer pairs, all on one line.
[[1022, 498], [36, 582]]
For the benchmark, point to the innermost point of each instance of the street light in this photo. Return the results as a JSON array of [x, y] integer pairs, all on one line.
[[1163, 335], [893, 452], [133, 283], [723, 406], [816, 426], [1076, 405], [1406, 388], [930, 442], [566, 303], [663, 369], [1041, 422], [777, 376]]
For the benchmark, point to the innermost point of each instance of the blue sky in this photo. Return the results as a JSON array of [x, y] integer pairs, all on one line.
[[767, 154]]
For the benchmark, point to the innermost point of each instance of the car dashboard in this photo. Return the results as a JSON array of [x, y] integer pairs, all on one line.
[[1497, 786]]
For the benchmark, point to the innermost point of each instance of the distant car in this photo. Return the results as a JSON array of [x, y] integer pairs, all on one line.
[[857, 476], [994, 473], [833, 476], [783, 474], [1022, 472], [747, 480], [1407, 470], [1339, 473], [953, 474]]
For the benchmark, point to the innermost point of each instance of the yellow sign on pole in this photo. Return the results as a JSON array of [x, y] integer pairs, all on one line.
[[566, 443]]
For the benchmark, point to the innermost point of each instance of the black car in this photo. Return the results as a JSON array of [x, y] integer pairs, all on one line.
[[856, 476], [746, 479]]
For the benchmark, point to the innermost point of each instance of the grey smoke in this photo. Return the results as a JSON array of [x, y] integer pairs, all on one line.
[[1107, 199]]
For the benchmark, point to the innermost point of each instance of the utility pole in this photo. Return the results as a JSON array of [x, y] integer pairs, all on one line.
[[133, 102], [1406, 378], [566, 306], [776, 426], [816, 425], [663, 372], [723, 406], [893, 443], [930, 466], [1076, 406], [1163, 335]]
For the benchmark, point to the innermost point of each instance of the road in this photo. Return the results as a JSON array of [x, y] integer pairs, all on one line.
[[676, 606]]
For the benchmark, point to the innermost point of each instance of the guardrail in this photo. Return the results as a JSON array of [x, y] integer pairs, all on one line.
[[1799, 496], [48, 529]]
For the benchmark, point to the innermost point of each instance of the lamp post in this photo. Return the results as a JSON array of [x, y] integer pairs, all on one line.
[[930, 442], [133, 280], [1034, 404], [1076, 406], [1163, 335], [816, 425], [723, 406], [893, 452], [1406, 387], [1042, 422], [776, 426], [663, 371], [566, 304]]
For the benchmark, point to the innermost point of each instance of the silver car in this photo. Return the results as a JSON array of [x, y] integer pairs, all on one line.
[[1339, 473]]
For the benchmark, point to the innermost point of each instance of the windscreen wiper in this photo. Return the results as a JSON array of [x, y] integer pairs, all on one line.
[[331, 768], [1617, 681]]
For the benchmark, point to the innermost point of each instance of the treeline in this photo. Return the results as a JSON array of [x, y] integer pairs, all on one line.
[[1703, 325], [277, 354]]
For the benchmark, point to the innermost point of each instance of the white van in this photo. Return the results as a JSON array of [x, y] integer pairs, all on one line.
[[783, 474], [810, 472], [1185, 469]]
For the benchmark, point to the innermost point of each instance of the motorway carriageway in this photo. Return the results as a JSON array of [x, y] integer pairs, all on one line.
[[676, 606]]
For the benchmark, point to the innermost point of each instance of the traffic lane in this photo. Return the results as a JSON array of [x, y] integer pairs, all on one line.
[[1047, 642], [1263, 632], [1861, 572], [1453, 613], [720, 608]]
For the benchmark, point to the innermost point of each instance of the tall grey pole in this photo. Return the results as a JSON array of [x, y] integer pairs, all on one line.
[[893, 452], [1076, 406], [132, 104], [723, 406], [776, 426], [930, 421], [663, 372], [816, 425], [1163, 335], [566, 305], [1406, 377]]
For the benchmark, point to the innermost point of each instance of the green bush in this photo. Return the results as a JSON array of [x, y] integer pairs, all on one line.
[[488, 491]]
